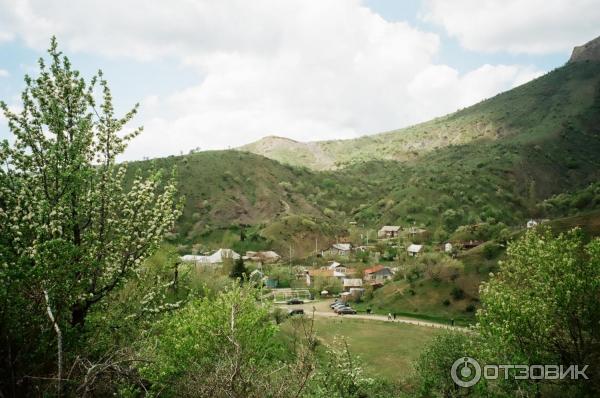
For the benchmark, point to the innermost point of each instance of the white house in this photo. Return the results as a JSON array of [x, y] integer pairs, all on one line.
[[340, 249], [448, 247], [531, 223], [268, 256], [414, 250], [215, 258]]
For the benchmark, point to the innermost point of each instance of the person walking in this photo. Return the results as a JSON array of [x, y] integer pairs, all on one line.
[[389, 316]]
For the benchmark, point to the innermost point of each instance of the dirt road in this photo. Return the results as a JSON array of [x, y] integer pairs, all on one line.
[[321, 309]]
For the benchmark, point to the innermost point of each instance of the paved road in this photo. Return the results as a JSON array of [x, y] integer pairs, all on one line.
[[321, 309]]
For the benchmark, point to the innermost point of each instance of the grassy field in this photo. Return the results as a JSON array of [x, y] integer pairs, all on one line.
[[386, 350]]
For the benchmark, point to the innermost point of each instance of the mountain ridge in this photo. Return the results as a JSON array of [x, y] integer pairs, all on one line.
[[470, 124]]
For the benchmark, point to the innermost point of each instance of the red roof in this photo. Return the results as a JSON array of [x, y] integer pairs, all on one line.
[[374, 269]]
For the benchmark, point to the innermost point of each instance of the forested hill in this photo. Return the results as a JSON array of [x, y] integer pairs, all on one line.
[[494, 162]]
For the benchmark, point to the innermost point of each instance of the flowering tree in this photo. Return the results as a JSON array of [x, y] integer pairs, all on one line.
[[71, 228]]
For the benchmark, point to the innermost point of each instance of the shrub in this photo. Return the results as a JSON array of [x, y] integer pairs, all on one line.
[[457, 293]]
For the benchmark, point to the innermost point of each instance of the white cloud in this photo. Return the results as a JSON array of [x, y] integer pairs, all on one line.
[[517, 26], [439, 88], [305, 70], [4, 73]]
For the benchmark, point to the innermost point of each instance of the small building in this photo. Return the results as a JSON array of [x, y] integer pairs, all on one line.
[[448, 247], [532, 223], [216, 258], [389, 231], [340, 249], [378, 274], [335, 266], [268, 256], [352, 283], [322, 273], [414, 250], [256, 275]]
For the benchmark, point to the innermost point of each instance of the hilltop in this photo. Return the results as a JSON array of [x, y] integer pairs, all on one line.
[[530, 112]]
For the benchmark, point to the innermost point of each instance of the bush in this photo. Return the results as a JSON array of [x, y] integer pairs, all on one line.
[[432, 368], [457, 293]]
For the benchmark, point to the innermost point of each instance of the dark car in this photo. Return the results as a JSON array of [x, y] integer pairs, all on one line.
[[339, 307], [346, 310], [296, 311], [295, 301]]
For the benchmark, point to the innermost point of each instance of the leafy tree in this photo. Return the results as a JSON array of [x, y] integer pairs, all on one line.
[[544, 304], [432, 369], [238, 271], [222, 347], [71, 231]]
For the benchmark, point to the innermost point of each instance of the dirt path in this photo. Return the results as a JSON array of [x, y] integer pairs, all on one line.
[[321, 309]]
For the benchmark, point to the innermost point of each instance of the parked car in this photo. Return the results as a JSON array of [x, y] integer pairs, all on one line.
[[337, 309], [295, 301], [334, 303], [339, 305], [296, 311], [346, 310]]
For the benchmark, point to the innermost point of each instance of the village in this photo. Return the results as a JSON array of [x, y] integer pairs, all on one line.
[[346, 272]]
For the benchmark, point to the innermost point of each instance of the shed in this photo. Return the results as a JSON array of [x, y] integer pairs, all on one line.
[[414, 250], [389, 231]]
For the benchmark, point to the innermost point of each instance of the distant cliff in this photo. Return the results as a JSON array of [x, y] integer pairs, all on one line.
[[590, 51]]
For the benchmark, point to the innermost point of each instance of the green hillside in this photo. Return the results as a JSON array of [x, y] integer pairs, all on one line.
[[493, 164], [530, 112]]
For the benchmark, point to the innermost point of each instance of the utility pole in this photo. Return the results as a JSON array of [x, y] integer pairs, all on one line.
[[290, 258]]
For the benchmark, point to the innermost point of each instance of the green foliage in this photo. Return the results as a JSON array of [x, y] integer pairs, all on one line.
[[457, 293], [432, 369], [213, 347], [543, 307], [72, 230], [238, 271]]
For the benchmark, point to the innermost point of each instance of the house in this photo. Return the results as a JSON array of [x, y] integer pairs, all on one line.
[[414, 250], [268, 256], [256, 275], [532, 223], [352, 283], [377, 274], [215, 258], [311, 274], [448, 247], [388, 231], [336, 267], [340, 249]]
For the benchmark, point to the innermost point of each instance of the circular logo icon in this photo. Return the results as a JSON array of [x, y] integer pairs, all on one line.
[[465, 372]]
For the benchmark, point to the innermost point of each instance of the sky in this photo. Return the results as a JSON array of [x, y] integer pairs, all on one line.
[[219, 74]]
